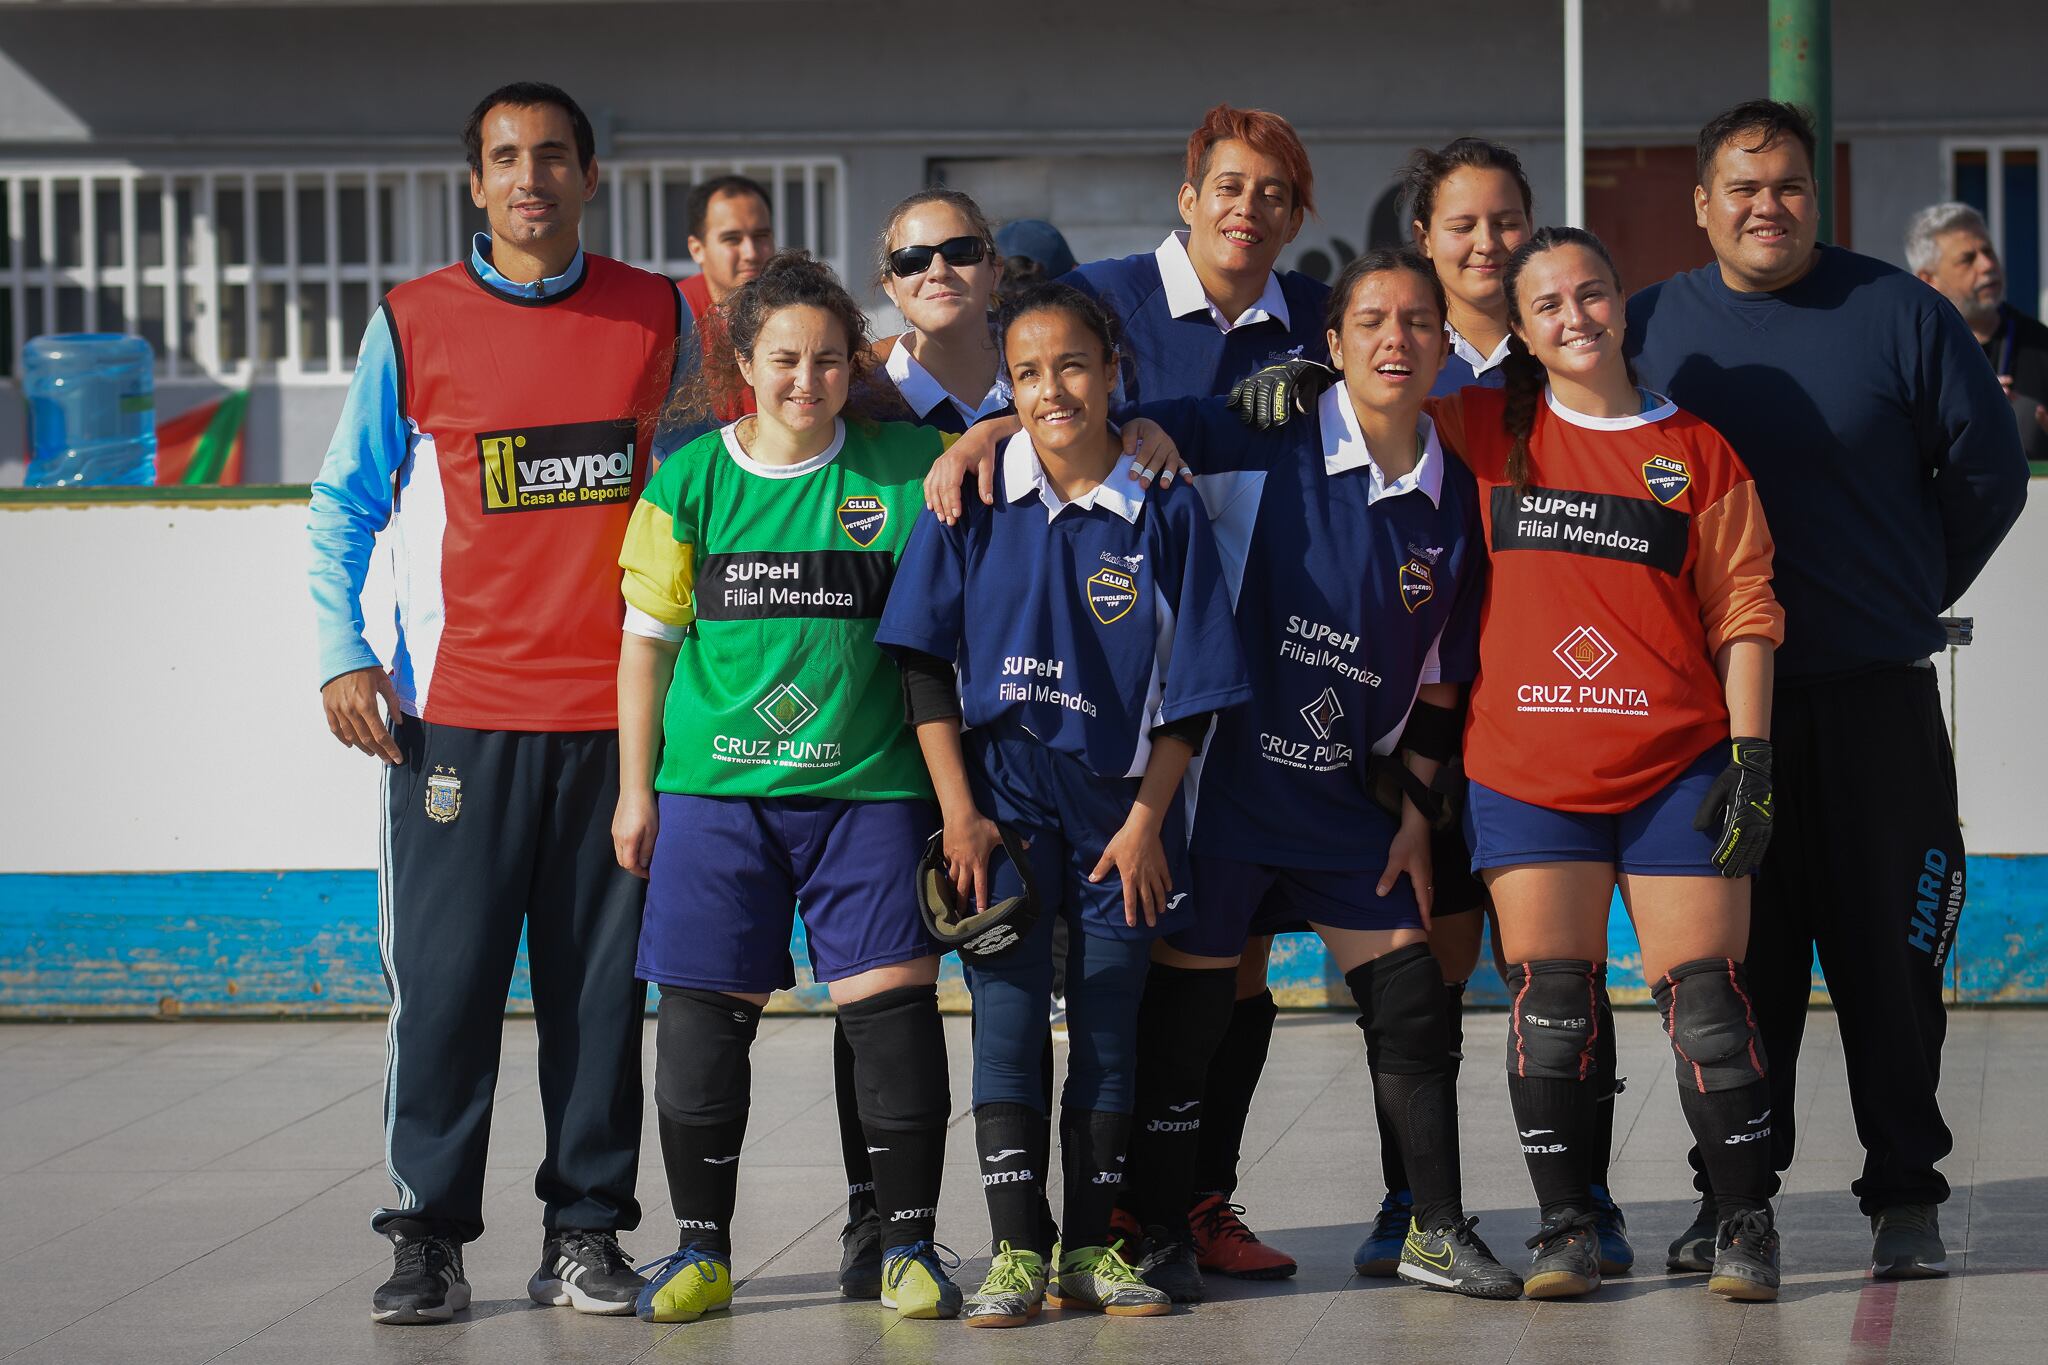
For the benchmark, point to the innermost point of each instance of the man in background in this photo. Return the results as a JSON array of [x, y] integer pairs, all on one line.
[[1949, 247]]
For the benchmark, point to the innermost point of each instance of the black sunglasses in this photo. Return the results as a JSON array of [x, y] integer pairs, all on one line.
[[915, 260]]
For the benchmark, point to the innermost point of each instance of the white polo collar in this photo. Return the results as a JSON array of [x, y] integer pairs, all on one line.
[[1185, 295], [1658, 409], [730, 434], [1469, 353], [1344, 449], [924, 393], [1024, 475]]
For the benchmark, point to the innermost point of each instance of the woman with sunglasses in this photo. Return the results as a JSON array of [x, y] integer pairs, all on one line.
[[938, 265]]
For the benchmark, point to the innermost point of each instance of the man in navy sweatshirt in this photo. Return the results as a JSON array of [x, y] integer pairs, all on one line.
[[1890, 470]]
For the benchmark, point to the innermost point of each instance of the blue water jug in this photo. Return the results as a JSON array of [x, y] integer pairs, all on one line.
[[91, 409]]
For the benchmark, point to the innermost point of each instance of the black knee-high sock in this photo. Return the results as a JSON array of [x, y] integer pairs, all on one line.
[[1227, 1101], [1392, 1169], [1405, 1013], [853, 1150], [899, 1050], [1010, 1142], [1555, 1118], [1606, 1086], [1181, 1021], [703, 1164], [1092, 1143], [1733, 1130]]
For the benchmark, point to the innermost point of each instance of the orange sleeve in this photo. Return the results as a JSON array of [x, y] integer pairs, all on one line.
[[1448, 413], [1732, 570]]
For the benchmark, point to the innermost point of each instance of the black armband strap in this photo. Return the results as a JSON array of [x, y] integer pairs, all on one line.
[[931, 689], [1432, 732], [1189, 730]]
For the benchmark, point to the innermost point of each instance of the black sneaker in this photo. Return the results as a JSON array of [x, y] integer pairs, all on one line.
[[583, 1269], [426, 1283], [1746, 1257], [1567, 1259], [860, 1257], [1169, 1265], [1454, 1258], [1693, 1249], [1908, 1243]]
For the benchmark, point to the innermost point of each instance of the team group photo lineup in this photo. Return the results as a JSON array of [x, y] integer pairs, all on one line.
[[1113, 617]]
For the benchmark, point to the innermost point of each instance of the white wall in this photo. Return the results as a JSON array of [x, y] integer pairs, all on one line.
[[166, 716]]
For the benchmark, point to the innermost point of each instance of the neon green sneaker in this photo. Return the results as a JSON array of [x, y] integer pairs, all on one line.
[[684, 1286], [1101, 1280], [915, 1284], [1012, 1292]]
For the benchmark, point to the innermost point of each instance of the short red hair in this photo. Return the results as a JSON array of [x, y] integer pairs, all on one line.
[[1265, 133]]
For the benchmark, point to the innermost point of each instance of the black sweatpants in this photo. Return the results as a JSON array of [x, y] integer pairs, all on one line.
[[487, 832], [1866, 864]]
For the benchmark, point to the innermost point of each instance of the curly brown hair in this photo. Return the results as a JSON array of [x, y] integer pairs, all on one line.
[[791, 279]]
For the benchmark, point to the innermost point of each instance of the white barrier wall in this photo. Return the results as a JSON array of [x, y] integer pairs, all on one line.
[[161, 677]]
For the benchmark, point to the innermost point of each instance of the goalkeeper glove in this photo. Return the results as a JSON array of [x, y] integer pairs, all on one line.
[[1268, 398], [1740, 804]]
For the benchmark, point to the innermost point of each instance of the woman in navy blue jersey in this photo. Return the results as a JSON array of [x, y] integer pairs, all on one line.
[[936, 260]]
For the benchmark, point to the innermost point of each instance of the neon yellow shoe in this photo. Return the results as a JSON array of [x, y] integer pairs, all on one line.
[[684, 1286], [914, 1281], [1100, 1279], [1012, 1292]]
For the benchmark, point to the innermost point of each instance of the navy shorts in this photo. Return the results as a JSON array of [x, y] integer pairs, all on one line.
[[1236, 900], [1654, 839], [730, 872]]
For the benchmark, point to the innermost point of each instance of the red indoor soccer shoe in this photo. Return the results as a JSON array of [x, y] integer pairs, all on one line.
[[1224, 1244]]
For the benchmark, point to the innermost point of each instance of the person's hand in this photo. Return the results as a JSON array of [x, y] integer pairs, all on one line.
[[635, 822], [974, 453], [352, 715], [1741, 805], [1137, 856], [967, 843], [1270, 397], [1152, 453], [2005, 382], [1409, 854]]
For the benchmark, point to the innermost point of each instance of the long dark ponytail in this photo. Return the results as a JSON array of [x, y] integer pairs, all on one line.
[[1524, 374]]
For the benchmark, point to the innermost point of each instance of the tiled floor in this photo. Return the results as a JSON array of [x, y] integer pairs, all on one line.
[[200, 1192]]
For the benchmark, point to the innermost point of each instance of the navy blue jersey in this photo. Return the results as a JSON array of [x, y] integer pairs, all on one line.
[[1465, 368], [1087, 623], [1351, 593], [1175, 346]]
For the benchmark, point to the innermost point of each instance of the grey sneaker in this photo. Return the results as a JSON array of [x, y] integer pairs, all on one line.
[[1101, 1280], [1693, 1249], [1746, 1258], [426, 1283], [1908, 1243], [1169, 1266], [1011, 1294], [1567, 1259]]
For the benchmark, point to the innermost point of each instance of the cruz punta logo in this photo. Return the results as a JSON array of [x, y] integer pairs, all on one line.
[[1111, 594], [862, 518], [574, 464]]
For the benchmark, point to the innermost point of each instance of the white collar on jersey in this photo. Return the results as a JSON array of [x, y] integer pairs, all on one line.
[[1024, 475], [1185, 296], [924, 393], [1344, 449], [1469, 353], [730, 433], [1656, 408]]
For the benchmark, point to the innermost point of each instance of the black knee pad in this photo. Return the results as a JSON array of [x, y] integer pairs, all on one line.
[[1404, 1011], [1711, 1024], [899, 1054], [1554, 1021], [701, 1071], [1181, 1021]]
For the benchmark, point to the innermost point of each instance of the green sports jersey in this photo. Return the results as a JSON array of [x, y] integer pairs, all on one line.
[[775, 577]]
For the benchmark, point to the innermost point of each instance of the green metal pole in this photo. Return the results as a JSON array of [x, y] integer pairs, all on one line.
[[1803, 72]]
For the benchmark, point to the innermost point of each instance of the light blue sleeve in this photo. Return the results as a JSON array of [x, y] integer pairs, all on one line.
[[352, 501]]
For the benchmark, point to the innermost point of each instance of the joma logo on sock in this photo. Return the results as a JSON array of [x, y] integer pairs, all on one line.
[[1007, 1178], [1173, 1125], [1734, 1138], [1543, 1148], [700, 1224], [1109, 1177], [906, 1215]]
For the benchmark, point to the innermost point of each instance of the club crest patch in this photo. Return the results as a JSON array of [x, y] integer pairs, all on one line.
[[1418, 583], [1666, 477], [444, 795], [862, 519], [1111, 594]]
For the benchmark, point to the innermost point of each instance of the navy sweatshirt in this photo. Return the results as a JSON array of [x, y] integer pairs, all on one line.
[[1886, 456]]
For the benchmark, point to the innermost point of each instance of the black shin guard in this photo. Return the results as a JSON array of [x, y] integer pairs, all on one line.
[[1606, 1085], [853, 1142], [1010, 1140], [1721, 1076], [1393, 1170], [1404, 1012], [702, 1080], [899, 1051], [1181, 1021], [1227, 1099], [1551, 1043], [1092, 1152]]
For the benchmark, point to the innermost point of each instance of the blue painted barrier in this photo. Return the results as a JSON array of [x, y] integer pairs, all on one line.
[[270, 943]]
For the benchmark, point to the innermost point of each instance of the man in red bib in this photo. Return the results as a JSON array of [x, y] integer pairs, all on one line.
[[498, 431]]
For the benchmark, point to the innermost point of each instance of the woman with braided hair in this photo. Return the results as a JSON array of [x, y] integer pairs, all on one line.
[[1630, 624]]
